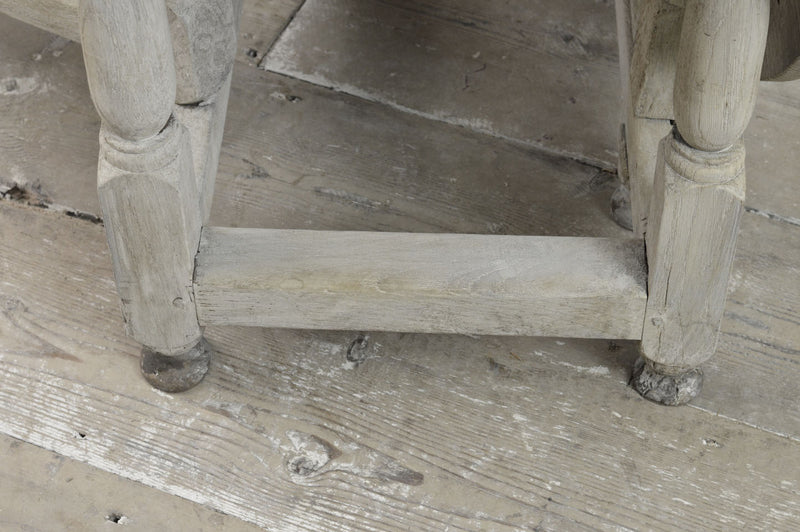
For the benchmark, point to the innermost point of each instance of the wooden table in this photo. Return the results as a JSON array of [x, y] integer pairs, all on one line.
[[159, 74]]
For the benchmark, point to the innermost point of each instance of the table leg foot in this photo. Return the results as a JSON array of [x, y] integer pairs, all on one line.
[[176, 373], [621, 207], [659, 387]]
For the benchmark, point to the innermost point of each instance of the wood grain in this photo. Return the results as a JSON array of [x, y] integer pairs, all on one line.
[[42, 490], [470, 64], [720, 55], [131, 77], [55, 86], [696, 208], [320, 431], [204, 40], [654, 57], [56, 16], [471, 284], [445, 407], [145, 176], [782, 55]]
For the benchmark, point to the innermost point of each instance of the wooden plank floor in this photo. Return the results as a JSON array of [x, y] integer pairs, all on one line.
[[298, 430]]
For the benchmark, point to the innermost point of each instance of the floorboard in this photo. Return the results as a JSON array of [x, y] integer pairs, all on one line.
[[44, 491], [298, 430]]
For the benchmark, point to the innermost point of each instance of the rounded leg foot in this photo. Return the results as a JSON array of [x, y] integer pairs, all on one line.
[[176, 373], [621, 208], [671, 390]]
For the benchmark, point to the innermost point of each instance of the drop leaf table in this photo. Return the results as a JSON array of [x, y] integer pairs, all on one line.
[[159, 73]]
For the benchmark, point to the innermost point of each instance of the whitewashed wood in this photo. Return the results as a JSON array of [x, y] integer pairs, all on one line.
[[506, 432], [696, 208], [625, 34], [55, 86], [475, 284], [56, 16], [642, 137], [146, 184], [699, 191], [56, 269], [43, 490], [782, 54], [204, 37], [205, 125], [129, 63], [311, 158], [204, 68], [468, 63], [653, 59], [644, 69], [720, 55], [203, 34]]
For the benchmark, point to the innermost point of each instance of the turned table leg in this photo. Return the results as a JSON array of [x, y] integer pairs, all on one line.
[[646, 37], [146, 184], [204, 41], [698, 194]]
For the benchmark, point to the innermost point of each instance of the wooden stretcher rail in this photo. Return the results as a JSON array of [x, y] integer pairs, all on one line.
[[431, 283]]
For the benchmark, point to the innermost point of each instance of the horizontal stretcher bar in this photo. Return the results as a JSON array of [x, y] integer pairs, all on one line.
[[430, 283]]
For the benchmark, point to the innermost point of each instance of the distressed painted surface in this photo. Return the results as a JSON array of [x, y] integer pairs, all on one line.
[[327, 431], [43, 490]]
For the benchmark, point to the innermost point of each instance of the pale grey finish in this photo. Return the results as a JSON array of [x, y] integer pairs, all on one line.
[[696, 208], [132, 114], [146, 181], [720, 55], [43, 490], [782, 56], [700, 181], [648, 73], [605, 458], [205, 33], [132, 82], [155, 178], [468, 63], [57, 88], [654, 57], [290, 434], [642, 137], [56, 16], [205, 124], [475, 284]]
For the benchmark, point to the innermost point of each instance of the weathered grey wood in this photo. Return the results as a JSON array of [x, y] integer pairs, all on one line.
[[43, 490], [645, 69], [494, 425], [699, 191], [696, 208], [205, 125], [146, 181], [56, 16], [55, 86], [782, 54], [653, 59], [475, 284], [59, 301], [625, 34], [204, 38], [469, 64], [129, 64], [339, 162], [642, 137], [720, 55], [203, 33]]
